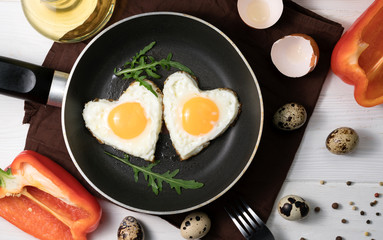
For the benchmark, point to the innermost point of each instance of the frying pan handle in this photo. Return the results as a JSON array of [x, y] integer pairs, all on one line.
[[31, 82]]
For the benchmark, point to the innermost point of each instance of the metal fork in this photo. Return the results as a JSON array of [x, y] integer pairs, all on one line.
[[248, 223]]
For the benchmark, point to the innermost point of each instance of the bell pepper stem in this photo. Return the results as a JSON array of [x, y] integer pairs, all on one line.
[[4, 177]]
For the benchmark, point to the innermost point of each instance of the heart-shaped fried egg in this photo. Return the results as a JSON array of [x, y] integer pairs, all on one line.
[[130, 124], [195, 117]]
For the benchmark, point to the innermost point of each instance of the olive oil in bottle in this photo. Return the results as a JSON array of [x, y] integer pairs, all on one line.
[[68, 20]]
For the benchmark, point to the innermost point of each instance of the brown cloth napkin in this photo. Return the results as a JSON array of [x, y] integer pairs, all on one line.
[[261, 183]]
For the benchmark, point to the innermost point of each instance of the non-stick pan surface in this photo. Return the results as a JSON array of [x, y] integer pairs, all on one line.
[[215, 61]]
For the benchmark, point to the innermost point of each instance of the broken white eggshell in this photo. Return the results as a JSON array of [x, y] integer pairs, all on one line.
[[260, 14], [295, 55]]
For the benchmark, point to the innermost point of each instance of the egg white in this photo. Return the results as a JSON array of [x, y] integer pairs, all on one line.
[[96, 113], [178, 89]]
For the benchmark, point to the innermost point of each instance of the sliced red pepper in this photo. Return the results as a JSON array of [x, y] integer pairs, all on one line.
[[42, 199], [358, 56]]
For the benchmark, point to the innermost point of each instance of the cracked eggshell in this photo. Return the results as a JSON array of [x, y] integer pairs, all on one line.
[[342, 140], [295, 55], [292, 207], [290, 116], [130, 228], [195, 225], [260, 14]]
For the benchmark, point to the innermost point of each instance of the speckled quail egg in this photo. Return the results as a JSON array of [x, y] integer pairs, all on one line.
[[290, 116], [195, 225], [292, 207], [342, 140], [130, 229]]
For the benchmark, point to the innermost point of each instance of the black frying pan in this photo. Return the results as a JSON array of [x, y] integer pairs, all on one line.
[[215, 61]]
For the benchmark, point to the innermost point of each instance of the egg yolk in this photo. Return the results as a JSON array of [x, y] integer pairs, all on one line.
[[127, 120], [199, 115]]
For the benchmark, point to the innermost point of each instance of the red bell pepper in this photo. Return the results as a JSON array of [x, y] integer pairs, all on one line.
[[42, 199], [358, 56]]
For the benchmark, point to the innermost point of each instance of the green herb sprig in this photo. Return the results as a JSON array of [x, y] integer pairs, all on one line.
[[155, 180], [141, 63]]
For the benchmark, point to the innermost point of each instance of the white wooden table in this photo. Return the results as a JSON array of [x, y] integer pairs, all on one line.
[[336, 107]]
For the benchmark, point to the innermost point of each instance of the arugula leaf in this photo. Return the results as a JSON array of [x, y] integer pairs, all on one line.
[[180, 67], [144, 51], [155, 180], [152, 74], [146, 85], [141, 63]]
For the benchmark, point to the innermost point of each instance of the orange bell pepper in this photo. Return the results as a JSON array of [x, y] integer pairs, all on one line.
[[44, 200], [358, 56]]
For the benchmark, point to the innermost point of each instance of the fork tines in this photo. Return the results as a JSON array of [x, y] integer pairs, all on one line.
[[244, 218]]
